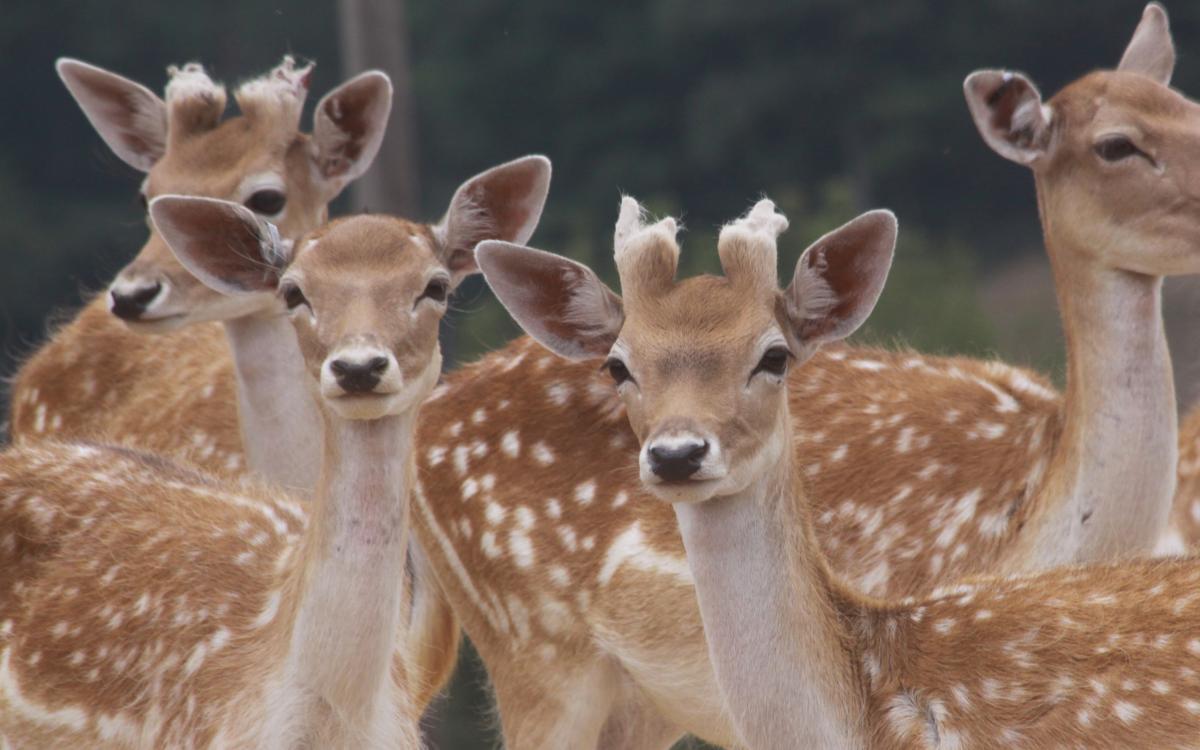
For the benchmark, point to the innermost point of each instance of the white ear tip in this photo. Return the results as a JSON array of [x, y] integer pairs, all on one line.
[[668, 225]]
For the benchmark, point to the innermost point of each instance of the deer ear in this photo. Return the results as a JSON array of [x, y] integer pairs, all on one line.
[[222, 244], [348, 127], [1151, 51], [503, 203], [130, 118], [838, 279], [560, 303], [1009, 113]]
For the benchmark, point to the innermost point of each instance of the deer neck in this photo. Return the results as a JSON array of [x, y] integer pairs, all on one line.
[[350, 583], [276, 413], [1115, 464], [770, 610]]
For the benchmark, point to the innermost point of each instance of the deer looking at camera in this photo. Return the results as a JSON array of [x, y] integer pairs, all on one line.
[[148, 605], [547, 561], [96, 376], [551, 555], [1078, 657]]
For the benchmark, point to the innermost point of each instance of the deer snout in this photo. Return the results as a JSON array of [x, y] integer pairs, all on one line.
[[676, 461], [132, 299], [360, 371]]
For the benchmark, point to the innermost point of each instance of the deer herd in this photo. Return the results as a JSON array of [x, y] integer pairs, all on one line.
[[243, 507]]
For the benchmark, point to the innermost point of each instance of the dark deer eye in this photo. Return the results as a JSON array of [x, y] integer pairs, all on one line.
[[142, 200], [266, 202], [774, 361], [293, 297], [1116, 148], [617, 370], [436, 290]]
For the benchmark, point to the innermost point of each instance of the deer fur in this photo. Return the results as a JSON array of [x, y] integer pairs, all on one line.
[[1105, 656], [147, 605], [582, 587]]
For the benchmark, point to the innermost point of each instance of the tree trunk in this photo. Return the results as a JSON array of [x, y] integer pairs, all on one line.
[[374, 35]]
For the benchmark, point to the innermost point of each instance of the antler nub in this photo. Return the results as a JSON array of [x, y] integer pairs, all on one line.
[[647, 255], [278, 94], [747, 245], [194, 101]]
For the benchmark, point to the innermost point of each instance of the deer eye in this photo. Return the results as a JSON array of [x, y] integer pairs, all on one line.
[[617, 370], [774, 361], [142, 200], [1115, 148], [266, 202], [436, 290], [293, 297]]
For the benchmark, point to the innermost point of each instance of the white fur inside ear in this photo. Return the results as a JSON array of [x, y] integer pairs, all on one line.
[[812, 297], [590, 309], [1031, 117], [465, 222], [276, 251]]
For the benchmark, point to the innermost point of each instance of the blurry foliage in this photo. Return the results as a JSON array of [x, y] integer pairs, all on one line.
[[696, 107]]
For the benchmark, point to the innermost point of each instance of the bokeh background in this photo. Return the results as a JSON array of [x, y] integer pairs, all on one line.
[[696, 107]]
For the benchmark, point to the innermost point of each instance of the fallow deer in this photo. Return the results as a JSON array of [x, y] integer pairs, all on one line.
[[148, 605], [98, 377], [509, 436], [94, 378], [1100, 657]]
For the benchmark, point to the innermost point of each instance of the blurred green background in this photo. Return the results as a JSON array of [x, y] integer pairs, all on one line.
[[696, 108]]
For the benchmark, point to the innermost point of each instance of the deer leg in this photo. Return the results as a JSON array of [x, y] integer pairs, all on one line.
[[543, 711], [637, 725]]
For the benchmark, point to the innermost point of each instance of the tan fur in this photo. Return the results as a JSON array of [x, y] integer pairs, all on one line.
[[1103, 657], [146, 604]]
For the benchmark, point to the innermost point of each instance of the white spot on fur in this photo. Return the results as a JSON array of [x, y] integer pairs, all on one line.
[[542, 454], [585, 493], [630, 548], [510, 444]]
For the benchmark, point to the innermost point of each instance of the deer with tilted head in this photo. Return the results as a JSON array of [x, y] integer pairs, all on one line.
[[260, 159], [1079, 657], [148, 605], [1112, 156]]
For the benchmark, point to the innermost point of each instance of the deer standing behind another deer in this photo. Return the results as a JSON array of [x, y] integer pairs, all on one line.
[[149, 605], [1100, 657], [550, 564]]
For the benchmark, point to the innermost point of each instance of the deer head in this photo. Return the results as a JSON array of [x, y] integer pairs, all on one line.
[[259, 159], [365, 294], [1114, 156], [699, 363]]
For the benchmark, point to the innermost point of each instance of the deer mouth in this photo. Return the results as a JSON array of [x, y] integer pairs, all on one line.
[[155, 324]]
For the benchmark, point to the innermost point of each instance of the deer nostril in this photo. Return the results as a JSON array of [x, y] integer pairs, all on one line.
[[358, 377], [677, 462], [130, 306]]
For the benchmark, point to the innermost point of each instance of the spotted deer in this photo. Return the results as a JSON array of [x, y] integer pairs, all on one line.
[[95, 377], [101, 378], [1107, 656], [146, 604], [557, 565]]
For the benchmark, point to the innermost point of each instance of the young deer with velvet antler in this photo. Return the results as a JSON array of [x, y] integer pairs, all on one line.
[[94, 378], [548, 557], [1082, 657], [583, 575], [147, 605]]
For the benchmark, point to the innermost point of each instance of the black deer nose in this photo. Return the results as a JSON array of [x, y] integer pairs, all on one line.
[[677, 462], [359, 377], [131, 306]]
